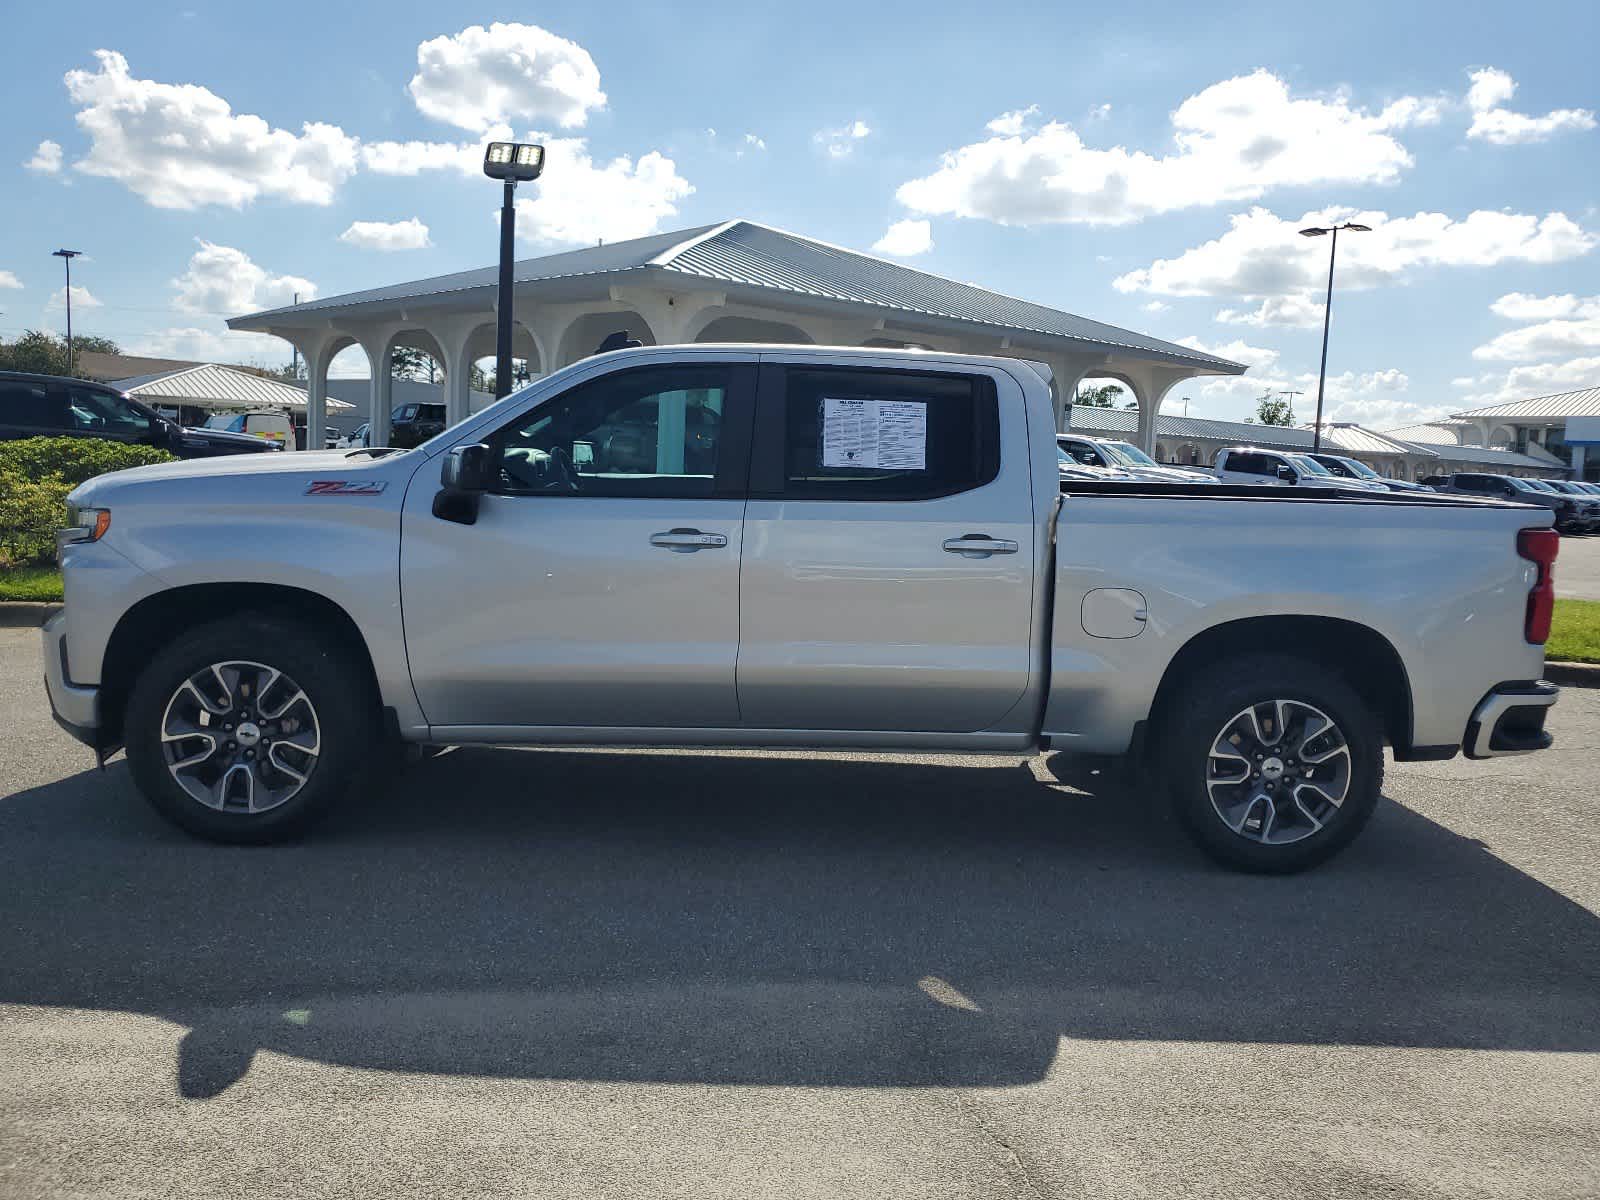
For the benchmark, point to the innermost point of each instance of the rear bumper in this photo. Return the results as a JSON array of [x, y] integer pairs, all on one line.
[[1510, 720], [75, 708]]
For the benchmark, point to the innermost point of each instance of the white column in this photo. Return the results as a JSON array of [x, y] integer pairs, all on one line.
[[381, 399], [316, 399], [1579, 458]]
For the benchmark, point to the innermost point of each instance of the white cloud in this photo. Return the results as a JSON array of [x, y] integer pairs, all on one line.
[[1571, 325], [1157, 306], [410, 234], [1375, 399], [1100, 112], [1519, 306], [1234, 140], [182, 146], [1263, 255], [581, 201], [1012, 123], [1492, 89], [754, 142], [1541, 379], [81, 298], [46, 159], [9, 280], [210, 345], [483, 77], [905, 239], [1295, 312], [841, 142], [412, 158], [1236, 351], [223, 280]]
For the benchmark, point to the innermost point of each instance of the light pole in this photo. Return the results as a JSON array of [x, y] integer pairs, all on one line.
[[1327, 314], [512, 162], [66, 257]]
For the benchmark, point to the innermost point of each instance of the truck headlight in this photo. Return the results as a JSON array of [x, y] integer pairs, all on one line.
[[84, 525]]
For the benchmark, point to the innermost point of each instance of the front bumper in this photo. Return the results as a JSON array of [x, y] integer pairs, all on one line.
[[75, 708], [1510, 720]]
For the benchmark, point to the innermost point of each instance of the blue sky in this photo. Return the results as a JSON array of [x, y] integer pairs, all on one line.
[[1140, 164]]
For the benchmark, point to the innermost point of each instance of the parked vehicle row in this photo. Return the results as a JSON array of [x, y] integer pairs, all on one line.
[[52, 406], [864, 550], [1575, 508]]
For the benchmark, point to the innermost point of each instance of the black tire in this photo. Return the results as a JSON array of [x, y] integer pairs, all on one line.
[[1196, 721], [335, 682]]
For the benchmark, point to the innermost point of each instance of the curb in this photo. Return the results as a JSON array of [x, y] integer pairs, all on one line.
[[26, 614], [1573, 674]]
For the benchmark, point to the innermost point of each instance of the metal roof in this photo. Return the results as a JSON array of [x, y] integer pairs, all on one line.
[[211, 386], [743, 254], [1585, 402], [1435, 433], [1346, 435], [1119, 422], [1485, 457]]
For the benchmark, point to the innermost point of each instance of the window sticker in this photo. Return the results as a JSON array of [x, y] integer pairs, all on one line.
[[878, 434]]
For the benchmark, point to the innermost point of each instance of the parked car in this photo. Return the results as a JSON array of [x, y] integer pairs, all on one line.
[[881, 542], [1589, 511], [267, 424], [357, 438], [1354, 468], [413, 424], [1567, 510], [1253, 465], [56, 406], [1124, 456]]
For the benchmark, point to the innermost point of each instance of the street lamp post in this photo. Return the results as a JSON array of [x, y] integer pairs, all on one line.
[[512, 162], [66, 257], [1327, 314]]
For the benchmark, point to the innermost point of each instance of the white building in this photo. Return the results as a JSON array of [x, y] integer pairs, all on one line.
[[1559, 429], [733, 282]]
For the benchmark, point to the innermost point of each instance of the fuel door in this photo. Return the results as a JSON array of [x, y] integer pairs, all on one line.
[[1114, 613]]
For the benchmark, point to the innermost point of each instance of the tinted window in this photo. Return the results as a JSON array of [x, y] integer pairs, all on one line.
[[1251, 464], [1083, 453], [654, 432], [31, 405], [107, 413], [854, 434]]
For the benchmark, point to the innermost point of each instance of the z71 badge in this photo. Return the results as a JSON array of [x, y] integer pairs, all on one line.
[[346, 487]]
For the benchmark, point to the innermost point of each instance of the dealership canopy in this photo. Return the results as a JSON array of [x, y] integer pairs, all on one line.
[[737, 281], [216, 387]]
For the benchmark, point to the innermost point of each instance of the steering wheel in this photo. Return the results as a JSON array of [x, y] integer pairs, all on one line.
[[562, 475]]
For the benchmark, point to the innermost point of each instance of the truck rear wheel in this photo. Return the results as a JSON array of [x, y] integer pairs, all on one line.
[[1274, 764], [250, 729]]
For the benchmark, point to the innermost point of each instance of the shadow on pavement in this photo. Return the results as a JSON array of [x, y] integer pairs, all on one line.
[[783, 921]]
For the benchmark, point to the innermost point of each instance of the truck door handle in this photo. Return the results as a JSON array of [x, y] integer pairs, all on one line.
[[687, 541], [978, 545]]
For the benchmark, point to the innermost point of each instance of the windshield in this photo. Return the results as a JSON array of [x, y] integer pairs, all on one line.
[[1540, 485], [1128, 455], [1308, 464], [226, 421], [1360, 468]]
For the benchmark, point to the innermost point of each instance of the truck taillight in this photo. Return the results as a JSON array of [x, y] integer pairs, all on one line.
[[1539, 546]]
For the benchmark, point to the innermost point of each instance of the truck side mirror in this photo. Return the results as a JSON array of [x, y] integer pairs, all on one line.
[[464, 475], [1288, 475]]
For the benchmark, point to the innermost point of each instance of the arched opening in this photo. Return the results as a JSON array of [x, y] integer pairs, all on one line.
[[1503, 438], [527, 364], [348, 382], [752, 329], [584, 335]]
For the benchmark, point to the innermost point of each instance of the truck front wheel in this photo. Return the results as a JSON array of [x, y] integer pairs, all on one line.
[[250, 729], [1274, 763]]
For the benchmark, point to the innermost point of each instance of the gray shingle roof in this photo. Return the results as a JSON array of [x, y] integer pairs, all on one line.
[[743, 254]]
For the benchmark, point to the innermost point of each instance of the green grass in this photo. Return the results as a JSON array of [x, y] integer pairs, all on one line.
[[1575, 632], [32, 583]]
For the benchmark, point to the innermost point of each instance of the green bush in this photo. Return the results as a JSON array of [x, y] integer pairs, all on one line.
[[35, 476]]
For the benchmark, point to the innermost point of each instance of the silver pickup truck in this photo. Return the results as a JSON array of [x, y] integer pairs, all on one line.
[[788, 547]]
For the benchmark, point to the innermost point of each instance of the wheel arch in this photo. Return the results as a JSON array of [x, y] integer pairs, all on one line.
[[158, 619], [1362, 656]]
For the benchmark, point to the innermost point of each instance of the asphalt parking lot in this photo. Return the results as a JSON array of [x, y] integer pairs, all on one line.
[[696, 974], [1578, 567]]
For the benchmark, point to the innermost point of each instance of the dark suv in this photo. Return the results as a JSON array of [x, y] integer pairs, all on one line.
[[54, 406], [412, 424], [1568, 511]]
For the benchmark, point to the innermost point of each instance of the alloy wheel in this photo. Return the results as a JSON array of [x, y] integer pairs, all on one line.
[[1278, 771]]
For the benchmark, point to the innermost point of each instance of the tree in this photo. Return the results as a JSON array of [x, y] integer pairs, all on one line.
[[407, 362], [1274, 410], [45, 353], [1104, 396]]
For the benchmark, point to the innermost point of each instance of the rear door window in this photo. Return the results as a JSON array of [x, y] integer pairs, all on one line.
[[853, 433], [1251, 464], [32, 406]]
